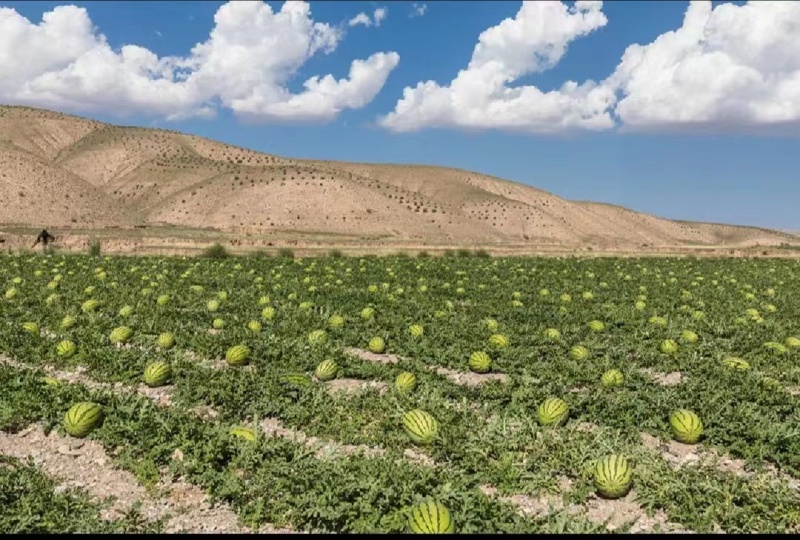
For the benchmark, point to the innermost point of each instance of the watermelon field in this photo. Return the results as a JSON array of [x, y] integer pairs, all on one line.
[[437, 394]]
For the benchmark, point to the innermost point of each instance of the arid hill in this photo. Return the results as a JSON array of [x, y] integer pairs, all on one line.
[[72, 173]]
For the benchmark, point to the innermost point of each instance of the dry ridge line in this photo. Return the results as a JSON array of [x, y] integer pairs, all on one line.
[[139, 185]]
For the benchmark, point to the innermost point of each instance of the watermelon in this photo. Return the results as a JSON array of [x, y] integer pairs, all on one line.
[[491, 324], [120, 334], [687, 336], [67, 322], [367, 313], [405, 382], [498, 341], [377, 345], [317, 338], [157, 374], [237, 355], [82, 418], [326, 370], [736, 363], [668, 346], [299, 380], [793, 342], [612, 377], [268, 313], [50, 381], [596, 326], [612, 476], [166, 340], [66, 349], [336, 321], [125, 311], [31, 327], [163, 300], [552, 334], [579, 352], [686, 426], [479, 362], [218, 324], [243, 432], [416, 330], [430, 517], [552, 411], [254, 326], [212, 305], [420, 426], [90, 305]]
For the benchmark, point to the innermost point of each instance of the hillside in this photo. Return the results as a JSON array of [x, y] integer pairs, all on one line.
[[63, 171]]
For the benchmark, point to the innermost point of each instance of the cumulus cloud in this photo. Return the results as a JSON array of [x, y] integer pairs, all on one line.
[[725, 68], [362, 18], [244, 65], [479, 97], [418, 10]]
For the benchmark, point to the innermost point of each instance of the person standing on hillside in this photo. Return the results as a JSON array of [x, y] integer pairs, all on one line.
[[44, 238]]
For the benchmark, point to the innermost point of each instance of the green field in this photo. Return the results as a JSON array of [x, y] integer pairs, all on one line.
[[334, 456]]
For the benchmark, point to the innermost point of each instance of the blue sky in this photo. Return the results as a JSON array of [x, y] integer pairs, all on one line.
[[720, 163]]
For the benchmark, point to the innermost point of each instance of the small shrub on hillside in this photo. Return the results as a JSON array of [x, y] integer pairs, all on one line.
[[216, 251]]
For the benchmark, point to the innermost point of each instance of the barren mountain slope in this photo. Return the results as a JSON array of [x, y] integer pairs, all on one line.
[[78, 172]]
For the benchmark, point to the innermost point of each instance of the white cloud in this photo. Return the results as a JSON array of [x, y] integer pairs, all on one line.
[[480, 98], [244, 65], [418, 10], [362, 18], [727, 68]]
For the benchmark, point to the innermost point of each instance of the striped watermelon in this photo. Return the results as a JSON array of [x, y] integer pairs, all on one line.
[[326, 370], [243, 432], [166, 340], [552, 411], [66, 349], [90, 305], [552, 334], [31, 327], [157, 374], [237, 355], [125, 311], [317, 338], [299, 380], [430, 517], [263, 301], [377, 345], [612, 377], [686, 426], [498, 341], [736, 363], [491, 324], [613, 476], [268, 313], [416, 330], [420, 426], [254, 326], [163, 300], [120, 334], [82, 418], [336, 321], [406, 381], [367, 313], [218, 324], [579, 352], [479, 362], [596, 326], [687, 336], [793, 342], [668, 346], [212, 305], [50, 381]]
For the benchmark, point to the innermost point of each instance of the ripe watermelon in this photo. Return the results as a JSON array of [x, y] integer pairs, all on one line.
[[238, 355], [82, 418], [430, 517], [420, 426], [612, 476]]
